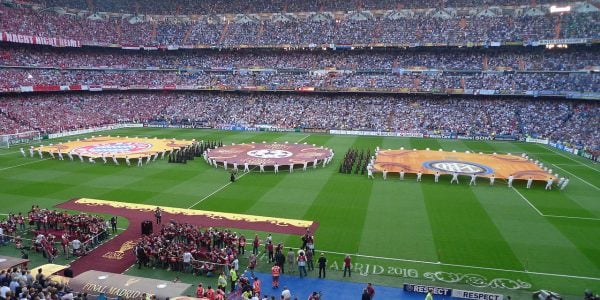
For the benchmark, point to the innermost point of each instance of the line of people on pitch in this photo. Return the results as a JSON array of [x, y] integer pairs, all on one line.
[[141, 160], [561, 183], [261, 166]]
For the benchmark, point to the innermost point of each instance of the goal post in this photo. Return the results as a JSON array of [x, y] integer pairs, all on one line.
[[7, 140]]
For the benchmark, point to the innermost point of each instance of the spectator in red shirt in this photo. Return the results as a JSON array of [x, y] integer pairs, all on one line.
[[370, 290], [347, 265]]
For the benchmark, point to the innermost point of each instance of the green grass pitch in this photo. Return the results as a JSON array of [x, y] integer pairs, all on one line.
[[493, 238]]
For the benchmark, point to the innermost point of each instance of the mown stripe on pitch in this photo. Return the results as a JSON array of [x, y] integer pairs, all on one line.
[[397, 224], [584, 235], [535, 241], [13, 159], [312, 183], [577, 232], [549, 202], [397, 218], [463, 231], [478, 146], [578, 199], [294, 194], [241, 195], [40, 189], [341, 205], [421, 144]]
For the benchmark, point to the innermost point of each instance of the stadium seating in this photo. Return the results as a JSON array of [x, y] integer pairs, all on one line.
[[416, 30], [261, 6], [319, 51], [565, 120]]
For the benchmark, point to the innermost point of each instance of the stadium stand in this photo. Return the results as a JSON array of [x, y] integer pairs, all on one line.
[[566, 121], [575, 59], [370, 46], [432, 26], [506, 69], [262, 6]]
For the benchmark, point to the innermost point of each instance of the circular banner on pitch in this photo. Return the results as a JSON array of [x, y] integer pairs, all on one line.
[[461, 167], [269, 154], [113, 148]]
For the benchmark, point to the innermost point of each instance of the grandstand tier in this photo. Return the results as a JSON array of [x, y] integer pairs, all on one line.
[[569, 121]]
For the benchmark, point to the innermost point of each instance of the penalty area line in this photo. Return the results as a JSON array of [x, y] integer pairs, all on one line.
[[569, 158], [578, 177], [552, 216]]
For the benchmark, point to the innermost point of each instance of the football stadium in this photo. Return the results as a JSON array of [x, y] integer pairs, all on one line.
[[357, 149]]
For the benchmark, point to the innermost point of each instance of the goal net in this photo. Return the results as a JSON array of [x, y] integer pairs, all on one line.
[[7, 140]]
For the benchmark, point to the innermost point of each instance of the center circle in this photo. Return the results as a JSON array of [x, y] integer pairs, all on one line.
[[269, 153]]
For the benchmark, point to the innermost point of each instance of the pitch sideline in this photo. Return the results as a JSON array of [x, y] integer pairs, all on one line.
[[584, 181], [569, 158]]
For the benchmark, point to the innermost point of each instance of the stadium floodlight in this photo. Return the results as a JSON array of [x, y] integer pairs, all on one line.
[[560, 9]]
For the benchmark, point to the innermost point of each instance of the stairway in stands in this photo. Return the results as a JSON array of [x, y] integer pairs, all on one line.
[[188, 32], [557, 27], [224, 33], [90, 5], [261, 30], [154, 32]]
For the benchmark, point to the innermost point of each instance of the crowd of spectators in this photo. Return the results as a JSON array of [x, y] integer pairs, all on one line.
[[567, 121], [187, 248], [442, 59], [20, 283], [75, 232], [263, 6], [78, 226], [515, 83], [418, 29], [68, 112]]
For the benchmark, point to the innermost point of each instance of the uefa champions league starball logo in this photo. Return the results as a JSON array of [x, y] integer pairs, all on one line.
[[113, 148], [270, 153], [462, 167]]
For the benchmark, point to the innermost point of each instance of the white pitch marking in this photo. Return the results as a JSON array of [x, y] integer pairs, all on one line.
[[585, 165], [464, 266], [568, 217], [219, 189], [568, 165], [32, 162], [7, 153], [578, 177], [532, 206], [227, 184], [302, 139], [553, 216]]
